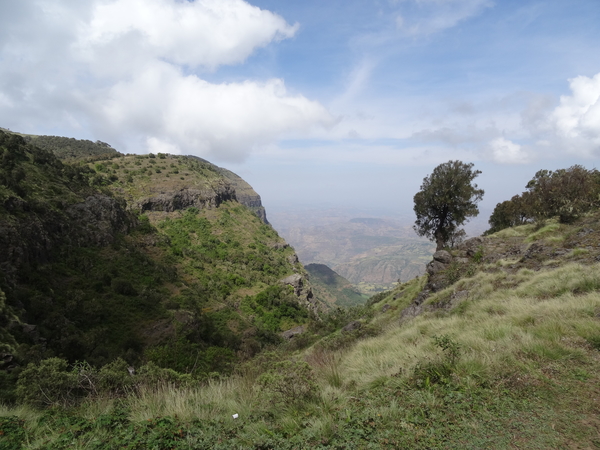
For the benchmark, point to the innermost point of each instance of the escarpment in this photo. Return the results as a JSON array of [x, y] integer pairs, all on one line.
[[125, 256], [187, 198]]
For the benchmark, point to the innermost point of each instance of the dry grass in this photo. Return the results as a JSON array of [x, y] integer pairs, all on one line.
[[497, 324]]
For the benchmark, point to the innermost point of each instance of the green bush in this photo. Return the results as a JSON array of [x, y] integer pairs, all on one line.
[[439, 371], [12, 433], [47, 384]]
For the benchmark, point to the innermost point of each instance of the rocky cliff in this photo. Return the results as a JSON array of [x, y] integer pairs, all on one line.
[[244, 193]]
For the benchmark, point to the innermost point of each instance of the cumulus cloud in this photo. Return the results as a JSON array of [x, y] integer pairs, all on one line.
[[507, 152], [210, 119], [199, 33], [426, 17], [134, 72], [577, 118]]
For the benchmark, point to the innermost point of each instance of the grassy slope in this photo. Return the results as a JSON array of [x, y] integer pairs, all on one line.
[[511, 362], [332, 288]]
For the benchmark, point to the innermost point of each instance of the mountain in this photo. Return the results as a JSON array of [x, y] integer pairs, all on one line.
[[372, 253], [332, 288], [150, 258]]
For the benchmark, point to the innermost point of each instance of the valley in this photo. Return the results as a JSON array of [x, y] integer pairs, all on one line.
[[373, 253]]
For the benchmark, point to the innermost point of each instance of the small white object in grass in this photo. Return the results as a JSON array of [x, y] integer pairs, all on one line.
[[235, 416]]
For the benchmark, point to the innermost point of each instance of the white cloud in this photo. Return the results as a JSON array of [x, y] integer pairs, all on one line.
[[577, 118], [128, 70], [427, 17], [200, 33], [507, 152], [216, 120]]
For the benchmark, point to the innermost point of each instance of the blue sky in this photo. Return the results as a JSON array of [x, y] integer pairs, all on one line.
[[347, 103]]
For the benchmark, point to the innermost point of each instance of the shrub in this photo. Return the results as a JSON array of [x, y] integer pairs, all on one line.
[[47, 384], [438, 371]]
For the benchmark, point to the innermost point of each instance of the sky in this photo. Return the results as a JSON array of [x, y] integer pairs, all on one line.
[[315, 103]]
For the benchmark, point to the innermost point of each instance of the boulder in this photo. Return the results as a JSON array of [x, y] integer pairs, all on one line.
[[470, 246], [442, 256], [302, 290], [289, 334], [355, 325], [435, 267]]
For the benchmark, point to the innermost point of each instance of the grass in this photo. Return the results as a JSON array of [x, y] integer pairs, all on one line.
[[551, 227], [525, 375], [520, 231]]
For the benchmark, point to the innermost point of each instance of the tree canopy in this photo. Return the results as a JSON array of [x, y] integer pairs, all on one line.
[[564, 193], [446, 200]]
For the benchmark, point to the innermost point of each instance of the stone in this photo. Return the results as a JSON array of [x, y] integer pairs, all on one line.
[[442, 256], [470, 246], [302, 290], [585, 232], [385, 308], [289, 334], [352, 326], [435, 267]]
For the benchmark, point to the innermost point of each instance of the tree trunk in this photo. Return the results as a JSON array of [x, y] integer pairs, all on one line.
[[439, 240]]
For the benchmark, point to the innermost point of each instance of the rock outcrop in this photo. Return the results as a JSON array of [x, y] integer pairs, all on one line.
[[438, 276], [302, 290], [187, 198], [244, 193]]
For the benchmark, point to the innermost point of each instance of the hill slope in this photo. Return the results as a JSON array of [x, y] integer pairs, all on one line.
[[147, 258], [332, 288]]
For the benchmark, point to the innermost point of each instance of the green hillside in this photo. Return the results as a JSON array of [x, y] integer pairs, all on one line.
[[149, 259], [332, 288]]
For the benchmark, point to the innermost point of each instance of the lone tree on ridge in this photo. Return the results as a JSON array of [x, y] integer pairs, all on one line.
[[446, 200]]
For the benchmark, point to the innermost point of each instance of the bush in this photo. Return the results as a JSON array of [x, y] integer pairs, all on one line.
[[47, 384], [438, 371]]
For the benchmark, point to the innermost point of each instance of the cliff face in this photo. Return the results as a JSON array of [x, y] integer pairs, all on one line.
[[30, 235], [46, 206], [244, 193], [187, 198]]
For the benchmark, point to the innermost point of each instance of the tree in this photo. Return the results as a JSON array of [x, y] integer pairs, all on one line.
[[446, 200], [511, 213], [566, 193]]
